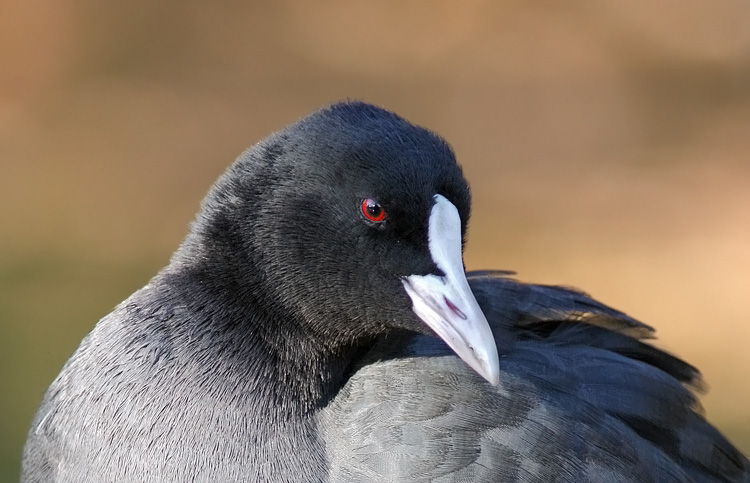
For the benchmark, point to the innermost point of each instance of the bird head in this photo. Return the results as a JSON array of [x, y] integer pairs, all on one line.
[[352, 222]]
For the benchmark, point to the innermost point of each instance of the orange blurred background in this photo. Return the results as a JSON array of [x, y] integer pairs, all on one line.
[[606, 143]]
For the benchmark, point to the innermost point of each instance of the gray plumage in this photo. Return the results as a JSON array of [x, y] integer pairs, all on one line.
[[575, 403]]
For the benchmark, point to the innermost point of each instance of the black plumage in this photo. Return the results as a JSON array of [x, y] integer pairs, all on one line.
[[285, 341]]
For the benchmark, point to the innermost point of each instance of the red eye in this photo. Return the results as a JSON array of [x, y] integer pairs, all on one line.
[[372, 210]]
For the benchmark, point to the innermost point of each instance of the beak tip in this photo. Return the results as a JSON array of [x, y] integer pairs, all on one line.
[[490, 371], [494, 380]]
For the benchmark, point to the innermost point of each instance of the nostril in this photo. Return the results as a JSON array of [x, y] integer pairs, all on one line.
[[454, 309]]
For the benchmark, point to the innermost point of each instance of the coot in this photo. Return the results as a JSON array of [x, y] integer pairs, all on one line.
[[317, 325]]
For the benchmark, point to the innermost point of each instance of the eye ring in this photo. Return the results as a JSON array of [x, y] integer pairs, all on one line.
[[372, 211]]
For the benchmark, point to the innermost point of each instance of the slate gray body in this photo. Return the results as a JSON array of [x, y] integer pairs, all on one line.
[[279, 345], [569, 407], [138, 402], [412, 411]]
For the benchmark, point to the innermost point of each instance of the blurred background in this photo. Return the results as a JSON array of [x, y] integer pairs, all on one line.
[[606, 143]]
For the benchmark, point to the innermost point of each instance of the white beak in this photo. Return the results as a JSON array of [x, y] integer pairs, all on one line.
[[446, 303]]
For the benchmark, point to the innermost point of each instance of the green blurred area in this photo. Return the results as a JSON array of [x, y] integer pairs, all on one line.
[[606, 143]]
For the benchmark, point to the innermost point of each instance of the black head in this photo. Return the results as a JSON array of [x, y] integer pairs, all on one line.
[[294, 226]]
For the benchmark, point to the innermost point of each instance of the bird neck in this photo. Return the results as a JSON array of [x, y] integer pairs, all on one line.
[[304, 376], [273, 355]]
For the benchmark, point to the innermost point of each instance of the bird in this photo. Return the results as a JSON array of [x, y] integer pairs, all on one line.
[[317, 324]]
